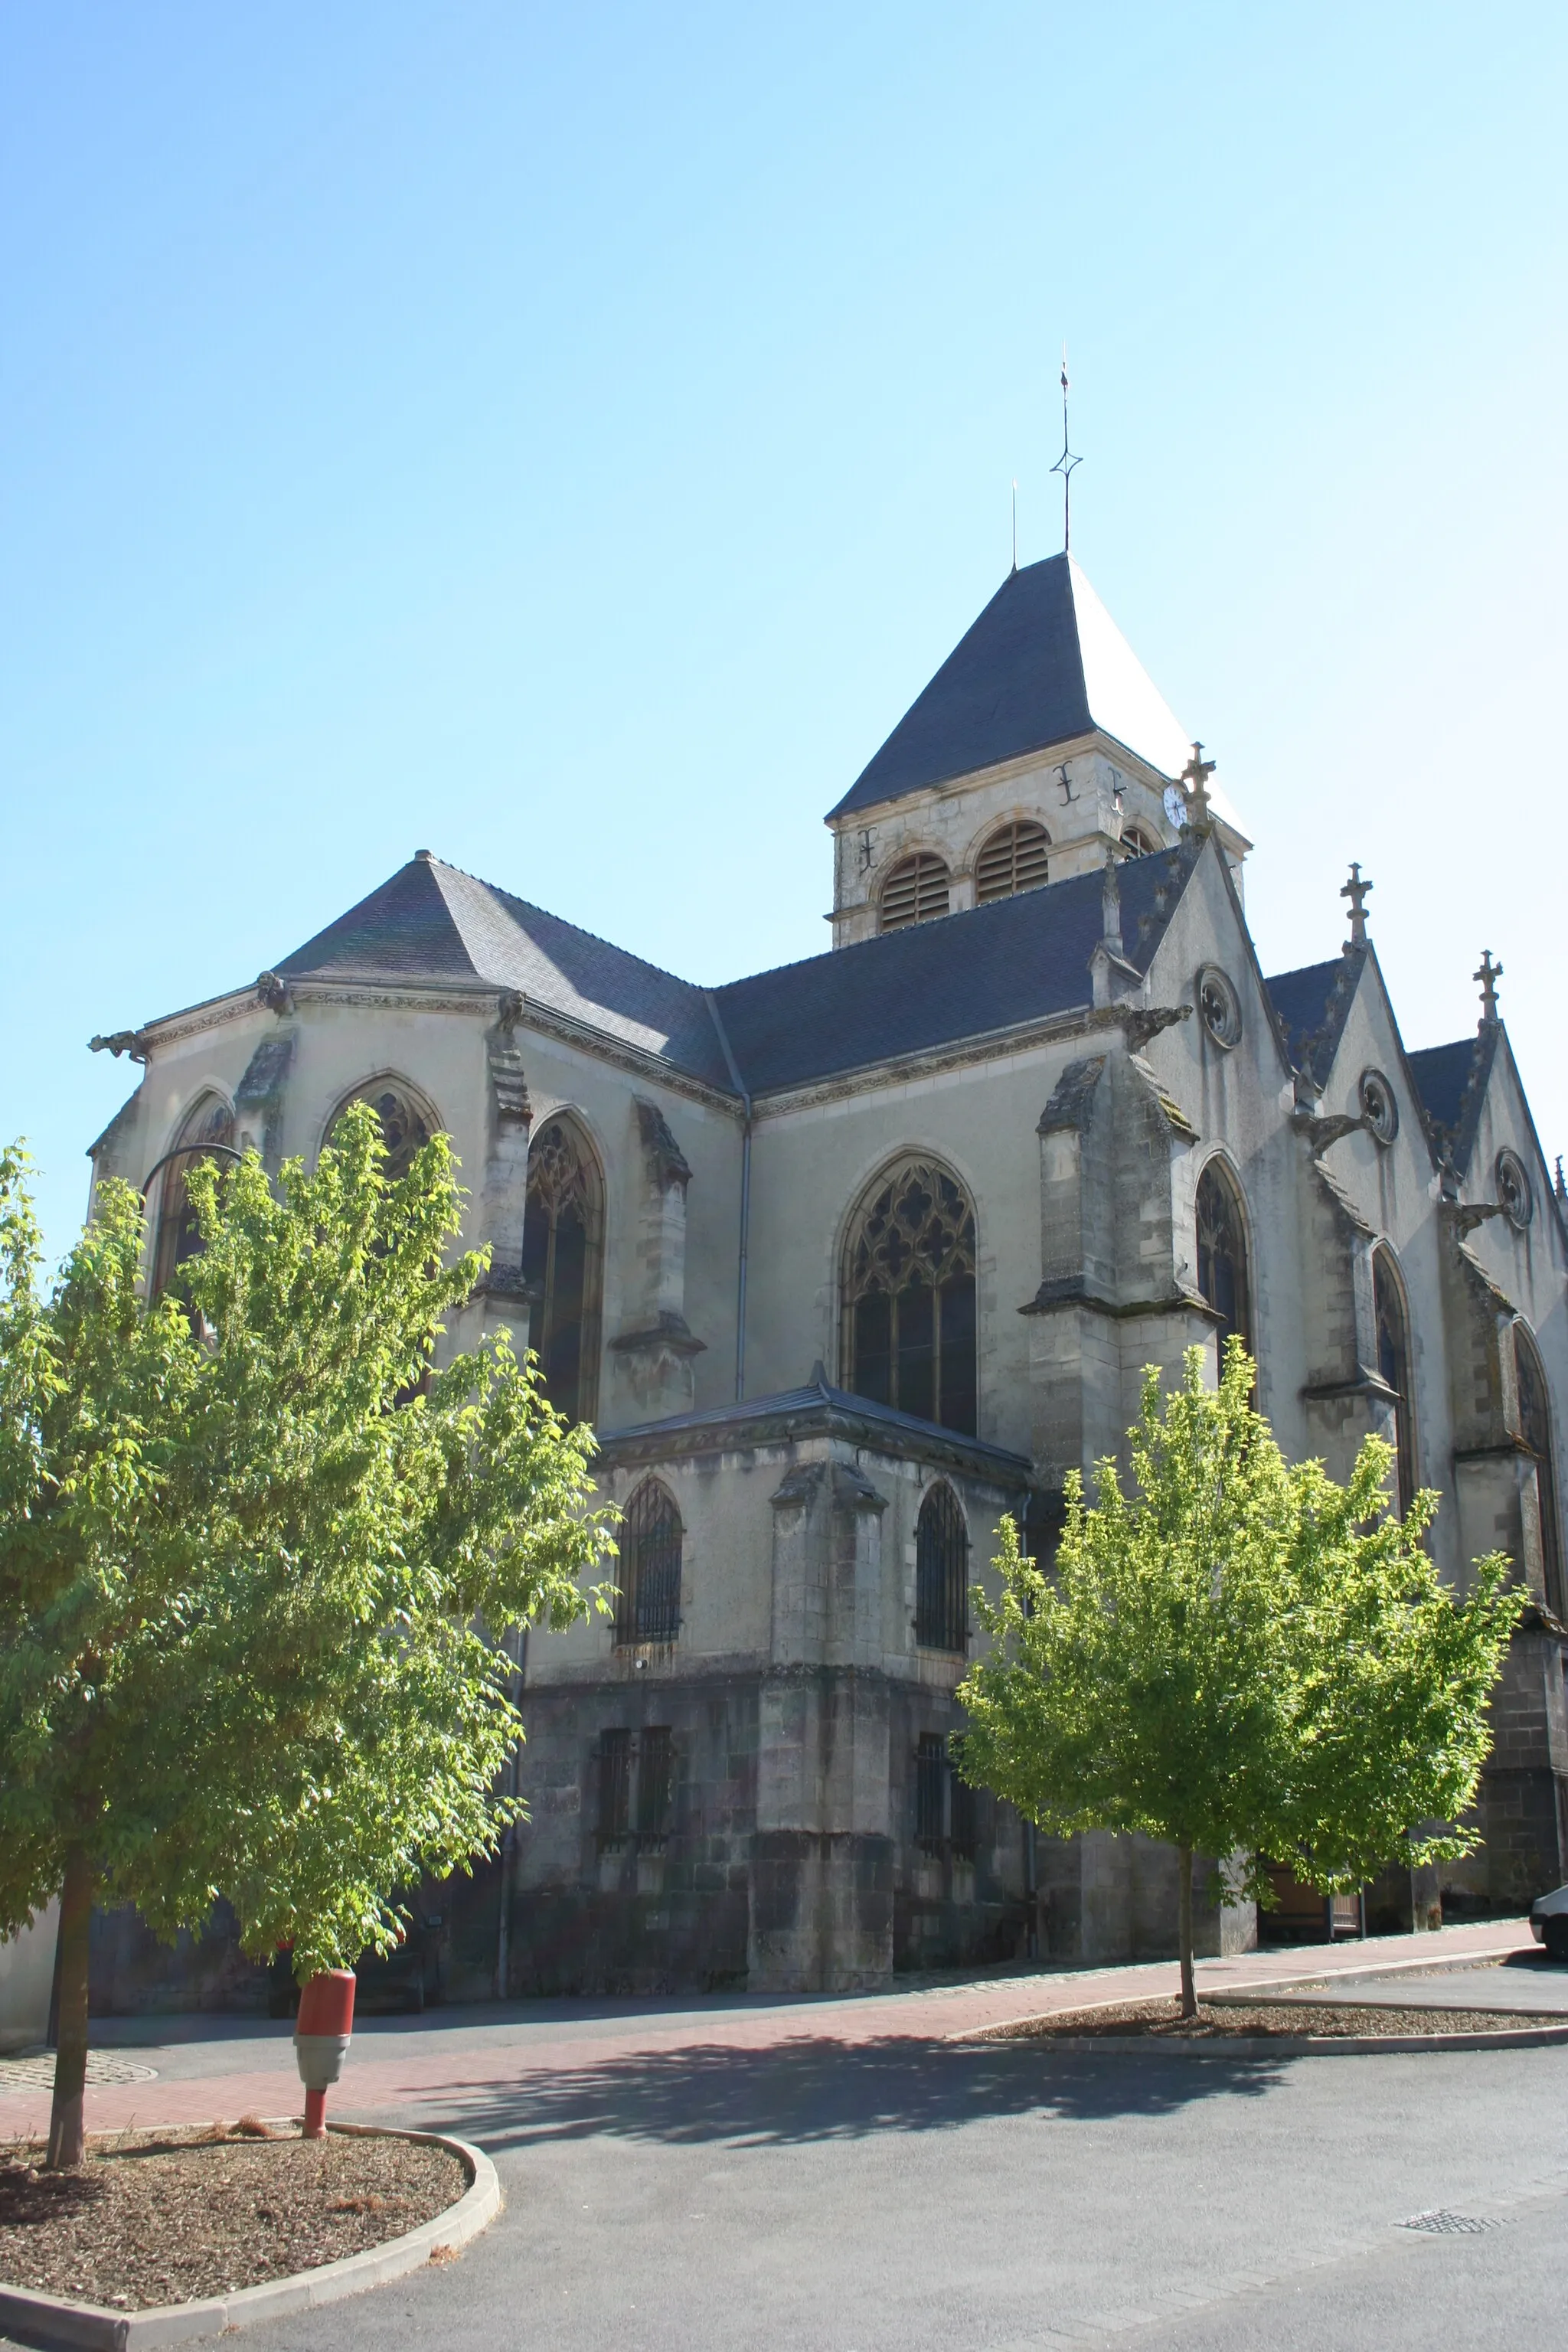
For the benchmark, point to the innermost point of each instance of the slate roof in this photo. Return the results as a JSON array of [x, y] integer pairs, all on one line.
[[1044, 663], [1452, 1083], [1313, 1003], [933, 985], [816, 1405]]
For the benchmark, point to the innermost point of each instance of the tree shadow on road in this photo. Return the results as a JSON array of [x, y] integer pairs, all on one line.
[[812, 2088]]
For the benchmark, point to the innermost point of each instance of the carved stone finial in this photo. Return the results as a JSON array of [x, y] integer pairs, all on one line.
[[667, 1161], [274, 993], [1355, 890], [1195, 776], [1487, 974]]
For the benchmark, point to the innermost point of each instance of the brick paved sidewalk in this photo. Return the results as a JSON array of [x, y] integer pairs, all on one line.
[[482, 2063]]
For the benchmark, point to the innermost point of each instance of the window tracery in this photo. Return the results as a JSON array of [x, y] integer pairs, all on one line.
[[405, 1128], [1222, 1254], [563, 1253], [648, 1606], [1535, 1429], [1513, 1190], [208, 1121], [1015, 858], [916, 891], [1394, 1366], [909, 1298], [941, 1572]]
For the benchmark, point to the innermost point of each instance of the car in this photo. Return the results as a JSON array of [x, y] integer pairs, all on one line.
[[1549, 1923]]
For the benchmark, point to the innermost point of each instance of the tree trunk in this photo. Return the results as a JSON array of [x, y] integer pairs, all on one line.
[[68, 2133], [1185, 1929]]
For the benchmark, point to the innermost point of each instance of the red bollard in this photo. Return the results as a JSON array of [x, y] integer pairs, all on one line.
[[321, 2032]]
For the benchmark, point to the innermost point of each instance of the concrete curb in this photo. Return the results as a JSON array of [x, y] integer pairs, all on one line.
[[1277, 2045], [56, 2326]]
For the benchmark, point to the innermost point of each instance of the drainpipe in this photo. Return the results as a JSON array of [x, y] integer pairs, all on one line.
[[517, 1644], [739, 1084]]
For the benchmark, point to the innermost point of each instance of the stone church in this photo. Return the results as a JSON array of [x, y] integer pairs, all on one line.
[[846, 1260]]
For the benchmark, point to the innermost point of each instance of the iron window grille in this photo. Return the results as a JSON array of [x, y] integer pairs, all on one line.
[[615, 1787], [941, 1573], [964, 1824], [931, 1793], [654, 1785], [647, 1608]]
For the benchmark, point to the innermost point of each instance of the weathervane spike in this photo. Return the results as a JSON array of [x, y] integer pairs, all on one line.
[[1064, 464]]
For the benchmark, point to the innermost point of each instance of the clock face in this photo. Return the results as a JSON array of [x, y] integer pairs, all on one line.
[[1175, 804]]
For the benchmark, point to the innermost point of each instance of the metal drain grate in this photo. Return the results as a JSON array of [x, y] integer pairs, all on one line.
[[38, 2074], [1443, 2225]]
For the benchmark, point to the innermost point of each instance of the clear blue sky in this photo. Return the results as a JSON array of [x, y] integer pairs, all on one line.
[[567, 438]]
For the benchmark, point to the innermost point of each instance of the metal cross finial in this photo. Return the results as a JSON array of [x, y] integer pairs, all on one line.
[[1355, 890], [1488, 975], [1066, 462], [1195, 777]]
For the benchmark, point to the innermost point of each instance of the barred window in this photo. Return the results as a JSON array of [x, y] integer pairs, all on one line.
[[648, 1606], [930, 1791], [916, 891], [656, 1784], [209, 1121], [908, 1296], [614, 1787], [562, 1256], [963, 1802], [1394, 1364], [1222, 1254], [941, 1572], [1014, 859]]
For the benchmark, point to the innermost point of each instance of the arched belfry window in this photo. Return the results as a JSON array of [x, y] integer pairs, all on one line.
[[1013, 859], [916, 891], [908, 1296], [563, 1253], [209, 1120], [941, 1572], [1222, 1254], [406, 1126], [1394, 1365], [648, 1574], [1535, 1429]]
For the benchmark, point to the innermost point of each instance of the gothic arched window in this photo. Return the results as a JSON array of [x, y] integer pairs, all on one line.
[[562, 1251], [914, 892], [941, 1572], [1394, 1364], [1013, 859], [1222, 1254], [1535, 1429], [405, 1127], [648, 1606], [908, 1296], [209, 1120]]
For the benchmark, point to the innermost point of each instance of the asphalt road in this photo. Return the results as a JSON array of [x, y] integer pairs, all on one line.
[[931, 2198]]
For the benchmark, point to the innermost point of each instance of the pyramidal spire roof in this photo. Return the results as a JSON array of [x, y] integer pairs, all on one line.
[[1044, 663]]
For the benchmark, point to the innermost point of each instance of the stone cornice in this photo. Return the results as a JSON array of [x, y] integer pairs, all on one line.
[[748, 1430]]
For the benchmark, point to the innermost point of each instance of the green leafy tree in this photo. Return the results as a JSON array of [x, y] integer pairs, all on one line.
[[257, 1561], [1240, 1657]]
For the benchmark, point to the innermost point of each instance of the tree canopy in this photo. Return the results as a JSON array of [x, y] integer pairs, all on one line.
[[1239, 1656], [258, 1556]]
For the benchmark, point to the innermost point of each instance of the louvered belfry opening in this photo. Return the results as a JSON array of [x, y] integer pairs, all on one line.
[[648, 1608], [908, 1296], [1015, 858], [941, 1572], [916, 891]]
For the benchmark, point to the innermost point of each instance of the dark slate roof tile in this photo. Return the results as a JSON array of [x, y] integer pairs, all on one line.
[[1452, 1083], [1313, 1003]]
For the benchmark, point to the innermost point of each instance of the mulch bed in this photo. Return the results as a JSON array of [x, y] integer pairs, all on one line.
[[1332, 2020], [167, 2217]]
